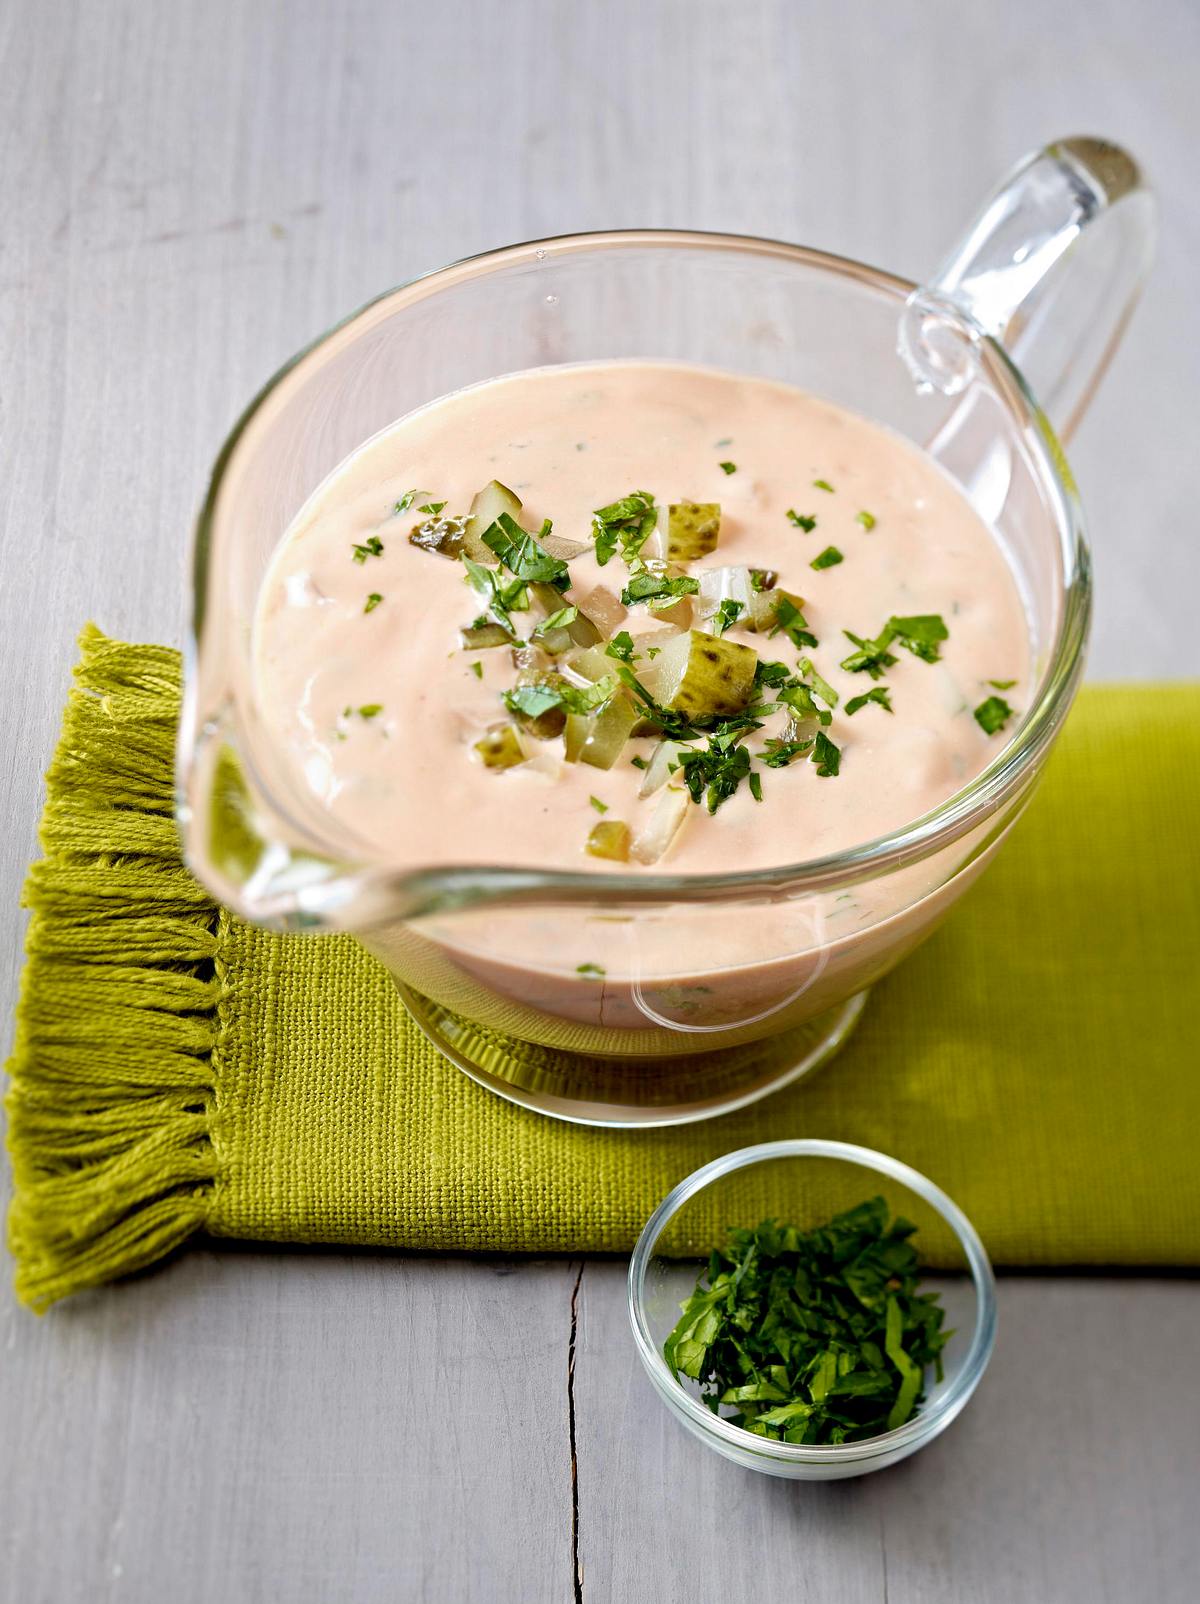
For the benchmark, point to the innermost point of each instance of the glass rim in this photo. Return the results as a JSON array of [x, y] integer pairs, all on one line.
[[932, 1419], [454, 885]]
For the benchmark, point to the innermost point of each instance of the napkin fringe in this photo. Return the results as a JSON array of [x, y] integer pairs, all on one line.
[[111, 1102]]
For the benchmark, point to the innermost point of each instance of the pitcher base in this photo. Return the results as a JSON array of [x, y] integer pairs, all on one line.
[[618, 1092]]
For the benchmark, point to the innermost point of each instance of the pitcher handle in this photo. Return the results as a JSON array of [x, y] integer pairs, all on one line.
[[1051, 268]]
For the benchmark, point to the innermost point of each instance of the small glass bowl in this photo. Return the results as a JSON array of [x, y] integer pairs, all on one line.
[[803, 1183]]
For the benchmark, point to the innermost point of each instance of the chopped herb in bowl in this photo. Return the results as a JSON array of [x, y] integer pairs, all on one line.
[[816, 1337]]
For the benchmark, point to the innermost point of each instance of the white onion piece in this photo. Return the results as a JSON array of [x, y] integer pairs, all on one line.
[[558, 546], [658, 770], [724, 584], [664, 824]]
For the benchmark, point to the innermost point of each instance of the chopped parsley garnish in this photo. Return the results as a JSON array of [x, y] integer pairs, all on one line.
[[867, 519], [800, 699], [639, 762], [432, 507], [600, 807], [878, 693], [370, 709], [802, 520], [792, 621], [829, 558], [770, 676], [657, 589], [826, 756], [406, 501], [477, 669], [823, 484], [559, 619], [872, 656], [714, 772], [591, 971], [520, 553], [755, 783], [817, 1336], [993, 715], [727, 467], [502, 599], [372, 602], [727, 614], [921, 634], [626, 523], [822, 686], [778, 754], [371, 547], [1002, 684], [621, 647], [531, 701]]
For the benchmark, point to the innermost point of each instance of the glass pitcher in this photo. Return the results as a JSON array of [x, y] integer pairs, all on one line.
[[1032, 302]]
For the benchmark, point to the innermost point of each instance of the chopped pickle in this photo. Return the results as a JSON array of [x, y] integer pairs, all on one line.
[[443, 535], [692, 530], [483, 633], [530, 657], [598, 738], [702, 676], [581, 631], [501, 747], [548, 723], [486, 508], [764, 609], [610, 839]]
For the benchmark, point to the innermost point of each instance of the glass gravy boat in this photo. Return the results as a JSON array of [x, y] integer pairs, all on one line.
[[1032, 302]]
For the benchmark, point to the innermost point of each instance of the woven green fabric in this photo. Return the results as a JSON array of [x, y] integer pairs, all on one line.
[[175, 1069]]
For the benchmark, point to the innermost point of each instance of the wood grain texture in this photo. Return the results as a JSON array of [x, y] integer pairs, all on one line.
[[190, 191]]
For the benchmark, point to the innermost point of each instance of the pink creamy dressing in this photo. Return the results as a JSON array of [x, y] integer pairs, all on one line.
[[568, 440]]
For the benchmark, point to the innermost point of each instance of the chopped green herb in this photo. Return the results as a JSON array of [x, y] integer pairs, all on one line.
[[867, 519], [1002, 684], [921, 634], [657, 588], [531, 701], [823, 484], [521, 555], [639, 762], [621, 647], [627, 523], [371, 547], [591, 971], [800, 699], [872, 656], [770, 676], [727, 614], [714, 772], [792, 621], [822, 686], [802, 520], [652, 652], [878, 693], [829, 558], [778, 754], [373, 601], [826, 756], [561, 618], [432, 507], [370, 710], [600, 807], [477, 669], [763, 579], [502, 599], [817, 1336], [993, 715], [727, 467], [406, 501], [755, 783]]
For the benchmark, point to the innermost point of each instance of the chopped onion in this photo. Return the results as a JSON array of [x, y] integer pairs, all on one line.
[[558, 546], [665, 823], [658, 770]]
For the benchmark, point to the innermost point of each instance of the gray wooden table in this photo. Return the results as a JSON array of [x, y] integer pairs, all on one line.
[[191, 189]]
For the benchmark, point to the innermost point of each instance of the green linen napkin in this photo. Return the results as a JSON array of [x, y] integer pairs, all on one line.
[[176, 1070]]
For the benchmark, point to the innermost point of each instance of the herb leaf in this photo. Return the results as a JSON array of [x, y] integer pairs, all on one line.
[[652, 588], [520, 553], [829, 558], [371, 547], [921, 634], [727, 467], [802, 520], [727, 614], [867, 519], [826, 756], [878, 693], [372, 602], [993, 715], [626, 523], [621, 647]]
